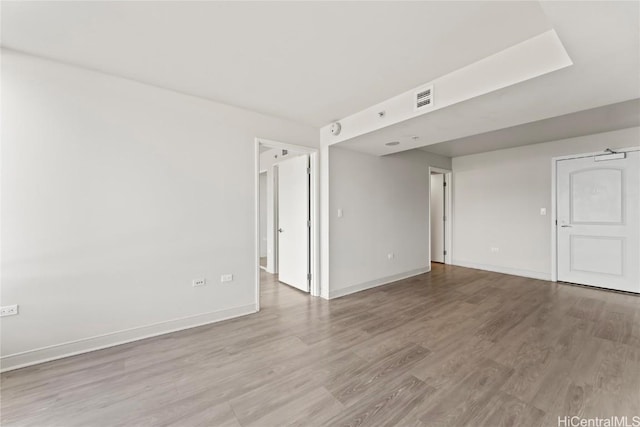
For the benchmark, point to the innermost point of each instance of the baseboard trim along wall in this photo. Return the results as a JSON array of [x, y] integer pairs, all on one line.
[[505, 270], [86, 345], [375, 283]]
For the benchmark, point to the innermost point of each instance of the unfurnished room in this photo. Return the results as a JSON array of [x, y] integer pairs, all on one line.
[[320, 213]]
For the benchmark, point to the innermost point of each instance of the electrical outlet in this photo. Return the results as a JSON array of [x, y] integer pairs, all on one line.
[[543, 211], [226, 278], [199, 282], [9, 310], [391, 255], [495, 250]]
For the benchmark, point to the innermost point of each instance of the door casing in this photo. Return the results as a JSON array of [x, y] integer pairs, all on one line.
[[448, 209], [315, 212]]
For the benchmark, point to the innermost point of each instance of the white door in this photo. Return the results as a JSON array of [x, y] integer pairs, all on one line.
[[437, 217], [598, 221], [293, 217]]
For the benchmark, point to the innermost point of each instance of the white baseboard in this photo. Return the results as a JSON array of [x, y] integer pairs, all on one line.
[[85, 345], [505, 270], [375, 283]]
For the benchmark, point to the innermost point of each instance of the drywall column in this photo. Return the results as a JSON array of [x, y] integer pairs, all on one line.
[[325, 223]]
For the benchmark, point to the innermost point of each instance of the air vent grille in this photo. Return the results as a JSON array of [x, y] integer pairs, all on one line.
[[424, 98]]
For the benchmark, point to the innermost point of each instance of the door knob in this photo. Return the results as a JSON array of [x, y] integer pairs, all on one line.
[[280, 230], [565, 226]]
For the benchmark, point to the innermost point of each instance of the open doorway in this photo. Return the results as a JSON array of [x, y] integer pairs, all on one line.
[[439, 215], [263, 219], [286, 217]]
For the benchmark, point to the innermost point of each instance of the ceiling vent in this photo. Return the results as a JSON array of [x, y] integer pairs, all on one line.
[[424, 98]]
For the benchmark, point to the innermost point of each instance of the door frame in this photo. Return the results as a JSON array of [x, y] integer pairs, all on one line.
[[314, 194], [554, 202], [448, 212]]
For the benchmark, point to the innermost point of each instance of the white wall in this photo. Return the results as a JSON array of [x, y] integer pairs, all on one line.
[[274, 156], [385, 210], [497, 200], [115, 195]]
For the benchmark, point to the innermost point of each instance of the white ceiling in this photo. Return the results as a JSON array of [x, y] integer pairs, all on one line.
[[314, 62], [310, 62], [602, 39], [596, 120]]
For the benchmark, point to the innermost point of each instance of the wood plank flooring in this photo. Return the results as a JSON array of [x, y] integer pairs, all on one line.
[[454, 347]]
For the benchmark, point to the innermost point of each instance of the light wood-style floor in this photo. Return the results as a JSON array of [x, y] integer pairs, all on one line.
[[452, 347]]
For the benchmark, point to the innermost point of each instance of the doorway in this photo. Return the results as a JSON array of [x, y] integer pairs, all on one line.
[[439, 215], [263, 219], [289, 195], [596, 229]]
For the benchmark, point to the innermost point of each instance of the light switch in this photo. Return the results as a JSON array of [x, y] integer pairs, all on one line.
[[339, 213], [543, 211]]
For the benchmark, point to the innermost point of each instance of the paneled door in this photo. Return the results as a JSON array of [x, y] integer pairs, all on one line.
[[598, 221]]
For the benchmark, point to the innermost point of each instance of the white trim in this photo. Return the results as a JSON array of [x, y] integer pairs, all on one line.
[[375, 283], [315, 288], [540, 275], [554, 166], [99, 342], [448, 212], [554, 234]]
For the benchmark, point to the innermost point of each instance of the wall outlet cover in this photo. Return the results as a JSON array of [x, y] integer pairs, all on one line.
[[9, 310], [199, 282]]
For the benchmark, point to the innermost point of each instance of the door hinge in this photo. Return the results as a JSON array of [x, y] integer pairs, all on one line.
[[309, 224], [444, 218], [308, 171], [445, 252], [444, 183], [308, 276]]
